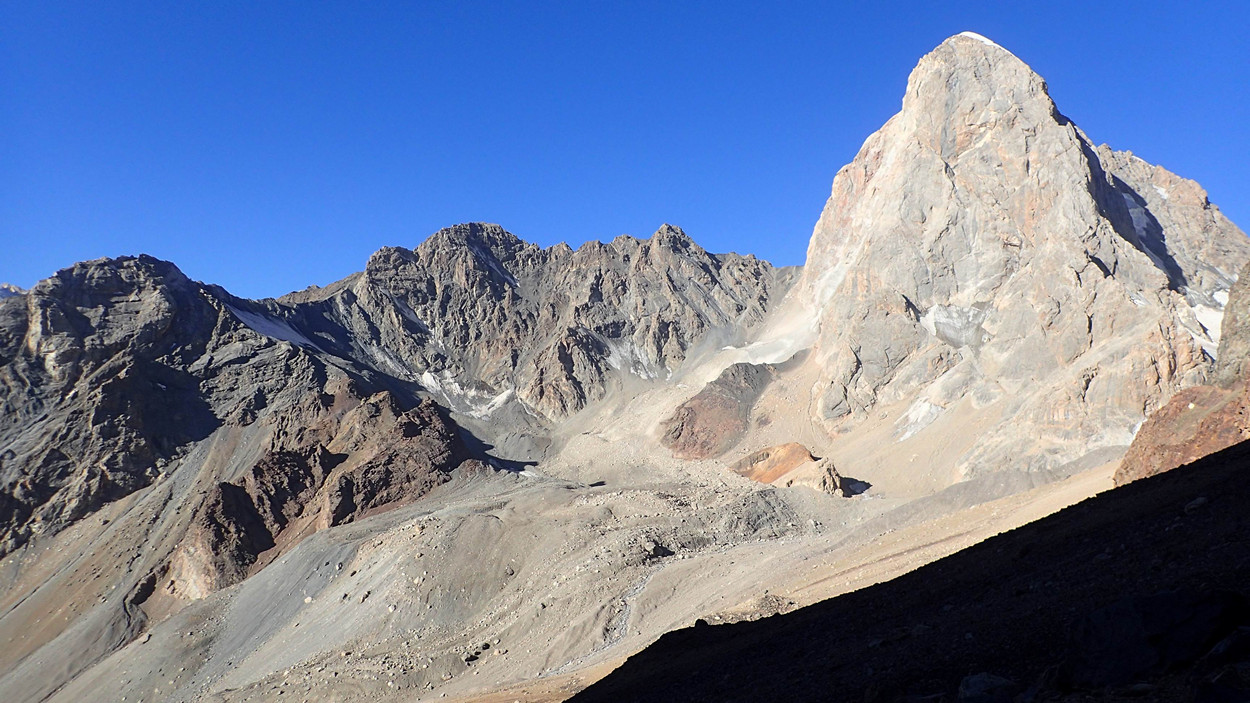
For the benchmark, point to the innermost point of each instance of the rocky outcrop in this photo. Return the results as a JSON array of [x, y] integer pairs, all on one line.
[[792, 465], [1205, 419], [771, 463], [96, 388], [981, 253], [1233, 363], [713, 421], [373, 456], [113, 370]]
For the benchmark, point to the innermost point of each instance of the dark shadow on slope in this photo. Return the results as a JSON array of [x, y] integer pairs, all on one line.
[[484, 450], [1123, 590], [1126, 210], [853, 486]]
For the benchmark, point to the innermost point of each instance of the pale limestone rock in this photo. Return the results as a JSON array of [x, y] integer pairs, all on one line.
[[979, 248]]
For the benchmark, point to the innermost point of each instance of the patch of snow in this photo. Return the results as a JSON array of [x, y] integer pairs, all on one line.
[[978, 37], [1221, 297], [1211, 348], [387, 359], [272, 327], [481, 412], [957, 326], [1210, 319], [431, 383], [1162, 193], [625, 356], [462, 400], [409, 315], [920, 415]]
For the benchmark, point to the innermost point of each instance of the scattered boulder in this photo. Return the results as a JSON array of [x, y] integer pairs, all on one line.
[[793, 465]]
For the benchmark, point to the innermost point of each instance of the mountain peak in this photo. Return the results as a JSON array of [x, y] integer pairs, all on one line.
[[977, 37], [968, 62], [481, 234]]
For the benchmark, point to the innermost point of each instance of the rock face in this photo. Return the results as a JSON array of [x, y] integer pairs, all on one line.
[[981, 253], [712, 422], [371, 456], [113, 370], [792, 465], [1205, 419], [485, 321], [97, 388]]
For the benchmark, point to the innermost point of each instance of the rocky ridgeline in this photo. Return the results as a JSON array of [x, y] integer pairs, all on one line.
[[981, 253], [482, 319], [113, 369]]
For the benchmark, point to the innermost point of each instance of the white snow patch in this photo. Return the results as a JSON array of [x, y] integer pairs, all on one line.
[[481, 412], [470, 402], [409, 315], [1162, 193], [1210, 319], [1221, 297], [1203, 340], [387, 358], [920, 415], [625, 356], [271, 327], [978, 37]]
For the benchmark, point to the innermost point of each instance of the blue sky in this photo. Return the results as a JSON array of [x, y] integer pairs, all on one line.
[[267, 146]]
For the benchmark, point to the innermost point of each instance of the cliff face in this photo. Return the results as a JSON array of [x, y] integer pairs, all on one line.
[[114, 371], [980, 252], [485, 321], [1204, 419]]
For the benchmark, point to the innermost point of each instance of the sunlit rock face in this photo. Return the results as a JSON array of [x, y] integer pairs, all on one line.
[[488, 322], [981, 254]]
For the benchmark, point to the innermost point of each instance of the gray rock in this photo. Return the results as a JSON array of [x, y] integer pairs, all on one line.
[[981, 239]]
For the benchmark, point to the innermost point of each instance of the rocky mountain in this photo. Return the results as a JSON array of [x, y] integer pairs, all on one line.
[[495, 328], [981, 258], [482, 466], [8, 290]]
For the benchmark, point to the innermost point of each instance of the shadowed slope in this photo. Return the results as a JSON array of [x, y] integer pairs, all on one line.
[[1007, 606]]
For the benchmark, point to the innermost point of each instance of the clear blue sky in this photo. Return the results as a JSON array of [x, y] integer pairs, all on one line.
[[266, 146]]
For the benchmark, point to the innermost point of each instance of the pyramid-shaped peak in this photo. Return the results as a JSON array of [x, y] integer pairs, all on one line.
[[970, 77]]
